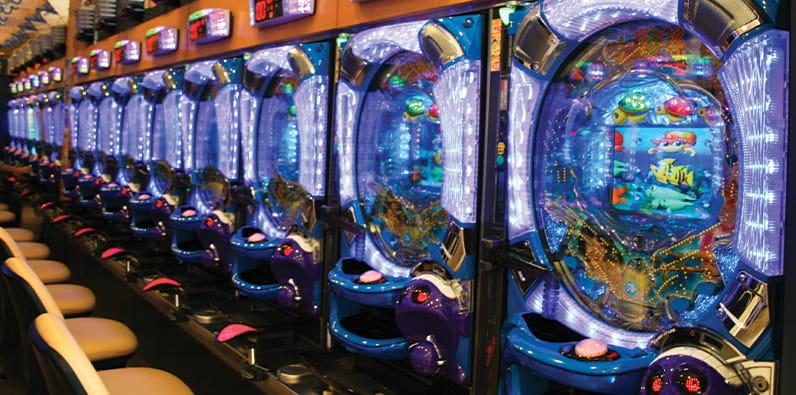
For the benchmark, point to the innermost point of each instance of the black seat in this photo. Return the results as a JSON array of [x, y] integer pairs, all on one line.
[[67, 370]]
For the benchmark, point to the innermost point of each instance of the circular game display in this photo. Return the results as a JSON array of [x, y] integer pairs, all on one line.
[[278, 159], [399, 161], [635, 175]]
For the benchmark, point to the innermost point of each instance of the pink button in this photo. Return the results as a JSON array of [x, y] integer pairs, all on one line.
[[189, 213], [591, 348], [257, 238], [370, 277], [144, 196], [113, 185]]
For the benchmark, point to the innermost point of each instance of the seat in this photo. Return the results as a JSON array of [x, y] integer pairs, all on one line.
[[34, 250], [7, 216], [21, 234], [49, 269], [4, 206], [106, 342], [67, 370], [72, 299]]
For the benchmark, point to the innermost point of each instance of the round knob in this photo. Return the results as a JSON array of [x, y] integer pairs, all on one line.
[[287, 296], [425, 358]]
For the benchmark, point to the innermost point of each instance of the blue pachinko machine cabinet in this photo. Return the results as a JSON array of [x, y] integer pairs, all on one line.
[[284, 112], [407, 126], [36, 135], [89, 113], [646, 197], [133, 114], [69, 175], [110, 115], [54, 130], [154, 198], [212, 148]]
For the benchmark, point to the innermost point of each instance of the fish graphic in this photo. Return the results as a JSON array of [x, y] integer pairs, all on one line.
[[618, 195], [667, 199], [667, 173]]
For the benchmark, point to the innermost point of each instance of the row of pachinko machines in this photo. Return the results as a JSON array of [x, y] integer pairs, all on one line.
[[556, 197]]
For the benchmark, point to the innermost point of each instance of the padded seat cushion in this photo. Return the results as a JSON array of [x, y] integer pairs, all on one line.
[[34, 250], [49, 271], [4, 206], [72, 299], [7, 216], [134, 381], [102, 339], [21, 234]]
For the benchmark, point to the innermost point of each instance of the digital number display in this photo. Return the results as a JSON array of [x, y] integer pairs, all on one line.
[[161, 40], [271, 12], [209, 25], [127, 52], [100, 59], [56, 74], [80, 65]]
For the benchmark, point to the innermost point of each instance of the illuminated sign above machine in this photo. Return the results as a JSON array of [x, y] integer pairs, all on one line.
[[208, 25], [100, 59], [56, 74], [44, 77], [272, 12], [79, 65], [127, 52], [161, 40]]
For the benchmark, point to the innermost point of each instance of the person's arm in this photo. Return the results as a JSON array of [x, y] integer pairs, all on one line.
[[16, 171]]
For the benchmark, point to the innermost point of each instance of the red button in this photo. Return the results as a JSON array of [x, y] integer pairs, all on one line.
[[421, 297], [287, 250]]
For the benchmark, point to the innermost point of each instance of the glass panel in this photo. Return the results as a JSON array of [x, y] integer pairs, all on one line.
[[206, 135], [399, 158], [173, 145], [634, 174], [278, 156]]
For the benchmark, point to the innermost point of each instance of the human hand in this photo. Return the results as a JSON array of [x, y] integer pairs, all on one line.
[[21, 172]]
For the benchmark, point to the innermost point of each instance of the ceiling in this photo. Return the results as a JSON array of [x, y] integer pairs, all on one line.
[[23, 20]]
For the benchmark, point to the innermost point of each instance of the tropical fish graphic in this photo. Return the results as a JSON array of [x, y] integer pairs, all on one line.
[[618, 195], [667, 199], [667, 173]]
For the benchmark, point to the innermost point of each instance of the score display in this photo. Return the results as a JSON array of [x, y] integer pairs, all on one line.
[[100, 59], [127, 52], [272, 12], [44, 77], [56, 74], [161, 40], [208, 25], [79, 65]]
